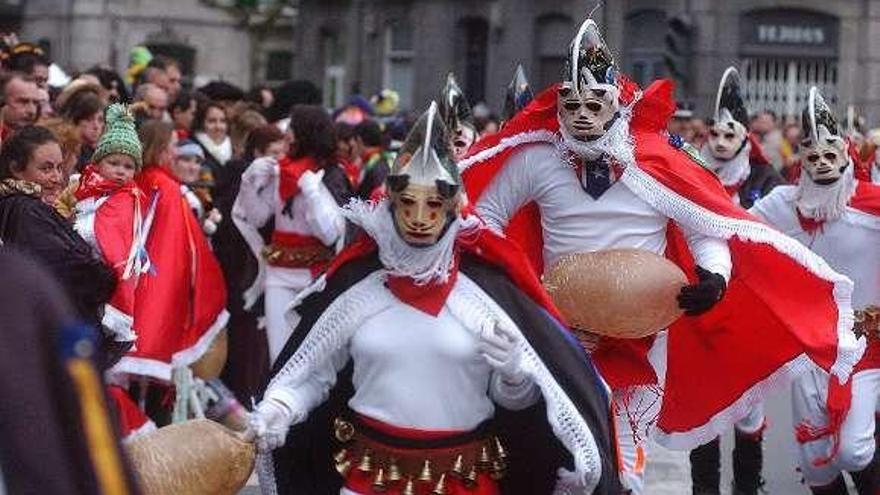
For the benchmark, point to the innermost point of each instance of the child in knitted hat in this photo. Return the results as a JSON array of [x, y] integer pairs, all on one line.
[[108, 215]]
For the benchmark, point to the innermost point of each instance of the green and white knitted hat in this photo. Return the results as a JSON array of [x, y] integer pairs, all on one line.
[[120, 135]]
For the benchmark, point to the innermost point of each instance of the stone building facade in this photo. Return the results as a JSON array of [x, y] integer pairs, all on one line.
[[210, 42], [780, 46]]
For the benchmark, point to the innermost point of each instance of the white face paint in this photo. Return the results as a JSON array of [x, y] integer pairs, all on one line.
[[588, 117], [462, 140], [726, 138], [825, 160]]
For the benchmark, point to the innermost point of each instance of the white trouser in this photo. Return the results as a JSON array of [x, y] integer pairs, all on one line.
[[277, 329], [809, 393], [643, 407]]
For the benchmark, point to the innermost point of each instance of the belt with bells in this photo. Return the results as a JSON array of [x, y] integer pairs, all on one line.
[[398, 463]]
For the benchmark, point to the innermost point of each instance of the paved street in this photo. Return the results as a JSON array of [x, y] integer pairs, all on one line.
[[669, 472]]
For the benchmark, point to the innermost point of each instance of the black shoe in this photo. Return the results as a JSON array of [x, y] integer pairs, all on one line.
[[836, 487], [748, 460], [706, 468]]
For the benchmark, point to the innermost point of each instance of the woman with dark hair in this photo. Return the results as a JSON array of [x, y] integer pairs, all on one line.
[[183, 113], [211, 130], [301, 192], [112, 82], [31, 177]]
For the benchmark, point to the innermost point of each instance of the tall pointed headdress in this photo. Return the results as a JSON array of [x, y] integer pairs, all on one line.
[[519, 94], [729, 103], [425, 158], [455, 108], [590, 64], [818, 120]]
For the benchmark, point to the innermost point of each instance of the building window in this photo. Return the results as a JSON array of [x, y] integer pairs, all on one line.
[[644, 45], [333, 52], [552, 37], [279, 65], [399, 71], [182, 54], [472, 50]]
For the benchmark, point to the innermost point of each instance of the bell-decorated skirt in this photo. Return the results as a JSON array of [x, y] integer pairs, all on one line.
[[377, 458]]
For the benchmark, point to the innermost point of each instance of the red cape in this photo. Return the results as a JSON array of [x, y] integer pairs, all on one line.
[[113, 226], [180, 305], [780, 294]]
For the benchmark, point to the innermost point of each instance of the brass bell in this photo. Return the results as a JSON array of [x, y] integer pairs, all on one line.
[[498, 468], [340, 456], [485, 461], [470, 481], [440, 487], [409, 488], [379, 481], [366, 464], [458, 467], [343, 430], [426, 474], [500, 452], [394, 470], [343, 468]]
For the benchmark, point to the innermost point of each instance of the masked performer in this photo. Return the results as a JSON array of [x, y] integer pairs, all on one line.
[[838, 217], [301, 193], [458, 117], [732, 152], [437, 355], [588, 167]]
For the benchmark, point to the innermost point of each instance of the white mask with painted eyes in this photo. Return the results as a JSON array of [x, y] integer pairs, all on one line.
[[726, 139], [589, 116], [826, 160]]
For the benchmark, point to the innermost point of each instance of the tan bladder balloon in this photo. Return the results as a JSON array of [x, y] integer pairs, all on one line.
[[622, 293], [198, 457]]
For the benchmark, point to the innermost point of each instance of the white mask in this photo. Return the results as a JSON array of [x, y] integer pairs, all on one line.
[[726, 138], [589, 116], [825, 160]]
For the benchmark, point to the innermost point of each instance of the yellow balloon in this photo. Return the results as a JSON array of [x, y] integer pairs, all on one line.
[[622, 293]]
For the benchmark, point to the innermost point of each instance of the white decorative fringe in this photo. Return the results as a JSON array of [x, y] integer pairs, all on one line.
[[540, 136], [192, 354], [130, 365], [118, 323]]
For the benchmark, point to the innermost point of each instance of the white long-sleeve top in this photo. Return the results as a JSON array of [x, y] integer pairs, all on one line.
[[314, 212], [413, 370], [848, 243], [573, 222]]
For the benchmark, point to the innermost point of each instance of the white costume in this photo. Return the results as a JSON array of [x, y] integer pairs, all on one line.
[[314, 214]]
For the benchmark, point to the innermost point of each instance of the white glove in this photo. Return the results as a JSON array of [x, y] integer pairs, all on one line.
[[500, 346], [309, 181], [260, 171], [569, 483], [268, 425]]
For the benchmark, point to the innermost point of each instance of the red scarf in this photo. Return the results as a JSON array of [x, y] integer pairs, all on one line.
[[92, 184], [290, 170]]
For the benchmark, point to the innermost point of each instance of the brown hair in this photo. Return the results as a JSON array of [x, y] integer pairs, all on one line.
[[244, 122], [155, 136], [67, 135], [261, 138]]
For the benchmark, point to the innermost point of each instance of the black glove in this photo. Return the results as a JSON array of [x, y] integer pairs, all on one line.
[[698, 298]]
